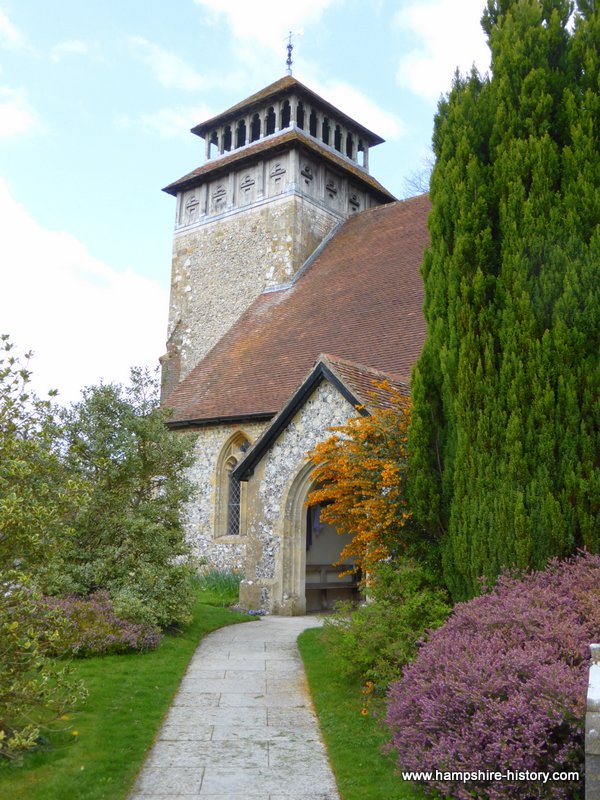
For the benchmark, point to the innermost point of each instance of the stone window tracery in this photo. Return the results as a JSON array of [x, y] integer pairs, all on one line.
[[229, 506], [234, 492]]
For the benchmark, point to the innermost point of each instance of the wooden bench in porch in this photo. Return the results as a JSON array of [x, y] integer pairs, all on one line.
[[325, 577]]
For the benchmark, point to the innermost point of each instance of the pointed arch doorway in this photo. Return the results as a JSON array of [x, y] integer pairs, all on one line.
[[309, 580], [323, 585]]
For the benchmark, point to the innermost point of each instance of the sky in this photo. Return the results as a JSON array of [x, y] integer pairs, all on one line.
[[97, 99]]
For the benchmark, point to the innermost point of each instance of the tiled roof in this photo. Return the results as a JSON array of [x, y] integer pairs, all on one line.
[[274, 143], [361, 298], [279, 88], [368, 385], [361, 386]]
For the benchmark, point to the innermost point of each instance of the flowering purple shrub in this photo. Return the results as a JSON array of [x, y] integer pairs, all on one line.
[[502, 685], [94, 629]]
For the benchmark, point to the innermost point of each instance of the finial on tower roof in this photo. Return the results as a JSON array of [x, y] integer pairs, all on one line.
[[290, 47]]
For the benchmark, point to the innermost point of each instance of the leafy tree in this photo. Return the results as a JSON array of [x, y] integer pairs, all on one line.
[[128, 536], [361, 474], [37, 500], [505, 434], [37, 495]]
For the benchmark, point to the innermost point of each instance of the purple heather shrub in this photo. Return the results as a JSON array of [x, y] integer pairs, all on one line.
[[502, 686], [94, 629]]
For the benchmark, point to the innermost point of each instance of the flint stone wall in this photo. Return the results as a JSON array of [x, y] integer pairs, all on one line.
[[239, 233], [273, 480], [224, 552], [258, 551], [221, 266]]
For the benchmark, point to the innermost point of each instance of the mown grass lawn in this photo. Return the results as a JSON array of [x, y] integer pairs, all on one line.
[[128, 698], [354, 742]]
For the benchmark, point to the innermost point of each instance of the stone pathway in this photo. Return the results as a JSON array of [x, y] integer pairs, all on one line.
[[242, 726]]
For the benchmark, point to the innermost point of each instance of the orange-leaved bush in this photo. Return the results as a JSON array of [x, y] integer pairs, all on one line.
[[361, 476]]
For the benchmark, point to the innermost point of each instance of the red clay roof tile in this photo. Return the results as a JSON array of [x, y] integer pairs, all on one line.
[[368, 385]]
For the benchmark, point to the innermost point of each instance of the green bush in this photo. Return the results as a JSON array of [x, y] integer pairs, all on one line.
[[36, 691], [94, 629], [127, 537], [376, 640]]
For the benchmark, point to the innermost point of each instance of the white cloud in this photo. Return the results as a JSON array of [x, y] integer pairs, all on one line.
[[360, 107], [168, 69], [84, 320], [10, 35], [451, 37], [69, 47], [168, 123], [267, 22], [16, 114]]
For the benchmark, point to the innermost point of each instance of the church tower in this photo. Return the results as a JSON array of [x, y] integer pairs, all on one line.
[[283, 168]]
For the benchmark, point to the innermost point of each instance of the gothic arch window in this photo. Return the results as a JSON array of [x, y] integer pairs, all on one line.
[[227, 138], [270, 122], [326, 131], [350, 146], [300, 115], [229, 505], [255, 128], [361, 153], [312, 123], [241, 134], [285, 114], [337, 140]]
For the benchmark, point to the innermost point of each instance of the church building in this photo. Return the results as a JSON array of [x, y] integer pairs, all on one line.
[[295, 288]]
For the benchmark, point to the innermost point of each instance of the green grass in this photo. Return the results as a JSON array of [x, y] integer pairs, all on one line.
[[220, 587], [353, 741], [128, 697]]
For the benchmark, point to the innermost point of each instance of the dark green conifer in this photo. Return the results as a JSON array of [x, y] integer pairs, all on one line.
[[505, 438]]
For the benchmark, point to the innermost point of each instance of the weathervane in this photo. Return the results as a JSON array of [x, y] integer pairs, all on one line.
[[290, 47]]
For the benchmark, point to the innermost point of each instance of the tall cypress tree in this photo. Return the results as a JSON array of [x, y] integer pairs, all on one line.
[[505, 439]]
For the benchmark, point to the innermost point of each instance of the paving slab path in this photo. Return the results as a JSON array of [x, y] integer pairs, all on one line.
[[242, 725]]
